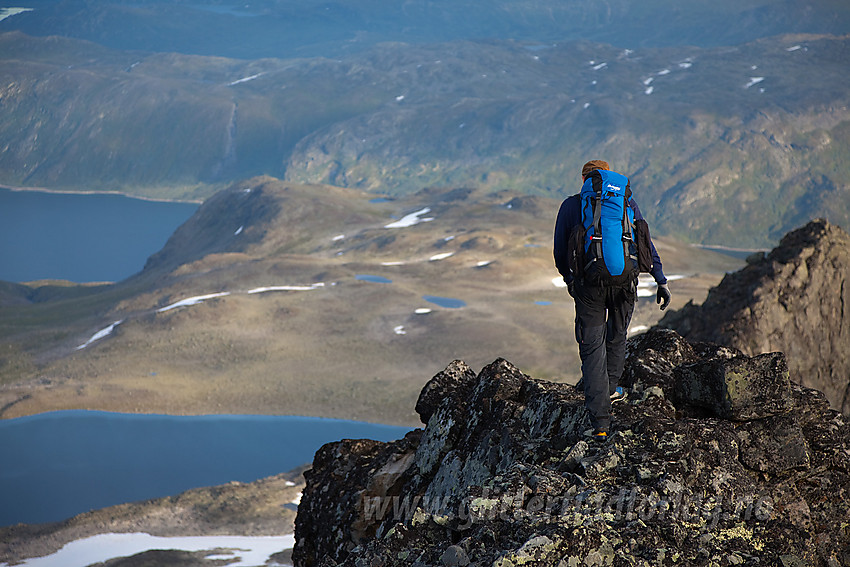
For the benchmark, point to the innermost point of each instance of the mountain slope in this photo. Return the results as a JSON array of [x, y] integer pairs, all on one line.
[[708, 136], [330, 28], [795, 300], [293, 299]]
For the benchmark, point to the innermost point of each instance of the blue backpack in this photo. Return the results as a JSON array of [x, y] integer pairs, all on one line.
[[604, 248]]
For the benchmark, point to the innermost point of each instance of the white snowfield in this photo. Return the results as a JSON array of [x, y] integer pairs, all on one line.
[[192, 301], [753, 81], [198, 299], [245, 80], [411, 219], [247, 551], [7, 12], [646, 286], [101, 334], [286, 288]]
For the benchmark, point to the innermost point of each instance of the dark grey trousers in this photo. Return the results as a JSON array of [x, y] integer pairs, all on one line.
[[603, 315]]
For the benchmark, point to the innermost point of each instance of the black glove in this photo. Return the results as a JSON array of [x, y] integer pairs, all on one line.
[[663, 296], [571, 289]]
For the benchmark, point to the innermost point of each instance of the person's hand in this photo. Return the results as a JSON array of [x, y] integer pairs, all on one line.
[[571, 289], [663, 296]]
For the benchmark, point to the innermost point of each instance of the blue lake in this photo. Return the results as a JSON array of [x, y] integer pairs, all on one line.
[[82, 237], [58, 464], [447, 302], [371, 278]]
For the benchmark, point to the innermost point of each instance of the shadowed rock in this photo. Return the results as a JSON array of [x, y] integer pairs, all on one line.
[[795, 300], [739, 466], [739, 388]]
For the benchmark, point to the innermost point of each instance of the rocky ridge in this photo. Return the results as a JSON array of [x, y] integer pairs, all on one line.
[[716, 458], [796, 299]]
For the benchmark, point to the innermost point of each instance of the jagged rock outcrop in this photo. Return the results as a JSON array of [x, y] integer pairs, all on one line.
[[716, 458], [796, 299]]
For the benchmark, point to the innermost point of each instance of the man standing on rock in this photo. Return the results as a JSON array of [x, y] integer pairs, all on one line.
[[601, 243]]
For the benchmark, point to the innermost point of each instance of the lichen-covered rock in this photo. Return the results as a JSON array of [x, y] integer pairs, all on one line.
[[455, 380], [506, 474], [739, 388], [795, 300]]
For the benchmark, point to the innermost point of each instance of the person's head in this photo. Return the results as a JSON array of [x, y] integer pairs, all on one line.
[[592, 166]]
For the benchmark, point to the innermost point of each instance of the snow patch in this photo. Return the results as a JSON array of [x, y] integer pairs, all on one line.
[[559, 282], [396, 263], [422, 311], [192, 301], [100, 334], [753, 81], [600, 66], [647, 286], [238, 231], [338, 237], [483, 263], [442, 256], [794, 48], [411, 219], [663, 72], [7, 12], [286, 288], [649, 90], [243, 550], [399, 330], [246, 79]]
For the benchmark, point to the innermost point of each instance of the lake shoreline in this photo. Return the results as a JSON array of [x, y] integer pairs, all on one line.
[[95, 192]]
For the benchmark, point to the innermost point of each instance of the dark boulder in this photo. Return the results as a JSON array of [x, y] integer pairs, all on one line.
[[796, 300]]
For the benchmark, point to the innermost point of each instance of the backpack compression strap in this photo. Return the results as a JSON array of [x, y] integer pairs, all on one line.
[[628, 228], [596, 237]]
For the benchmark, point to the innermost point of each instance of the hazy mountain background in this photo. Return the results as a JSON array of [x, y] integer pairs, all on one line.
[[731, 119], [732, 130]]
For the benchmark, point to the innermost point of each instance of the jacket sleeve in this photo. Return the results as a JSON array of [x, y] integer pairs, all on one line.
[[568, 213], [657, 270]]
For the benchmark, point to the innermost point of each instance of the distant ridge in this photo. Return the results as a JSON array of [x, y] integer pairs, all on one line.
[[333, 28], [706, 135]]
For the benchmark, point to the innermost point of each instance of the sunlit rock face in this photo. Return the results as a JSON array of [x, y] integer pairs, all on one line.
[[715, 457], [796, 299]]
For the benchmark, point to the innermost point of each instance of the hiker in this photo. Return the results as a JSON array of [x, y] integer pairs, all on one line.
[[601, 243]]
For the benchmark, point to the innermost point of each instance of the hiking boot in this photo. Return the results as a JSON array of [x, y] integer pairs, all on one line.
[[618, 395], [600, 435]]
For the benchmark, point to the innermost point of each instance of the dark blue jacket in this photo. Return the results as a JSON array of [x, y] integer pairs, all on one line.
[[569, 216]]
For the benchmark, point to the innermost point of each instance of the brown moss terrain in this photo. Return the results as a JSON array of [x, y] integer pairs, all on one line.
[[287, 327]]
